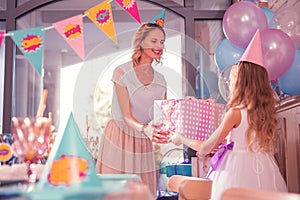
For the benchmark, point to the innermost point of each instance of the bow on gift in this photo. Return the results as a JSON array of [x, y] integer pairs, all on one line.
[[215, 160]]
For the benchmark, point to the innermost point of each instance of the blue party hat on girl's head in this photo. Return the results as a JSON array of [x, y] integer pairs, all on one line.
[[159, 19]]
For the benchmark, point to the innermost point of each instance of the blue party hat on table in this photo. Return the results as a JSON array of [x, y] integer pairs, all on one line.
[[159, 19], [70, 169]]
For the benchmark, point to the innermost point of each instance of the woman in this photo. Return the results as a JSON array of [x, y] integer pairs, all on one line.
[[126, 144]]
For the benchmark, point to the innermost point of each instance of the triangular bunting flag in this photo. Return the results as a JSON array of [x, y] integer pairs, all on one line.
[[1, 37], [159, 19], [31, 44], [71, 30], [101, 15], [131, 7]]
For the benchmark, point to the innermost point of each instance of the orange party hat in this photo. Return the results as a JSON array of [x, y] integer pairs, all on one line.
[[253, 53]]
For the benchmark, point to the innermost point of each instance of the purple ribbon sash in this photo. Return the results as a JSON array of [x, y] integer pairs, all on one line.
[[215, 160]]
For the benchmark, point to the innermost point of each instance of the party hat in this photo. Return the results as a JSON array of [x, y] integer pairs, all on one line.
[[253, 53], [70, 169], [159, 19]]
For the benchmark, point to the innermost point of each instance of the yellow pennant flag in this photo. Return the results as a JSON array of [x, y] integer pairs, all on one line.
[[101, 15]]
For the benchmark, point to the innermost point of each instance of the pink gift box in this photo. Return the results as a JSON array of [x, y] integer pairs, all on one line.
[[195, 119]]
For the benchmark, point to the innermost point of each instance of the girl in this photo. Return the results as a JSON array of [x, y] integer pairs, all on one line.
[[252, 124]]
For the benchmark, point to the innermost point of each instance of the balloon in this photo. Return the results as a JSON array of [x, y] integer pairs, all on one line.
[[296, 37], [269, 14], [289, 82], [286, 20], [207, 85], [278, 52], [227, 54], [240, 22], [223, 82]]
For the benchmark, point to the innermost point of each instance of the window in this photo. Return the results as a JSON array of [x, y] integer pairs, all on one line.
[[2, 47], [84, 87]]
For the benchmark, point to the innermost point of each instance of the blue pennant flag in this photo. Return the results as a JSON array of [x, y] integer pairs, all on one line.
[[31, 44]]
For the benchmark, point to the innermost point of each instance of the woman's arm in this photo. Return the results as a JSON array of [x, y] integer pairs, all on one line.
[[123, 99]]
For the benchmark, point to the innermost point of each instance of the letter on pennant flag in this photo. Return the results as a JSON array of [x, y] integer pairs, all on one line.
[[131, 7], [31, 44], [101, 15], [1, 37], [71, 30]]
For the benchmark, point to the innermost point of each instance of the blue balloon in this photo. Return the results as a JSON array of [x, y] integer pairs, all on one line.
[[289, 81], [269, 14], [227, 54]]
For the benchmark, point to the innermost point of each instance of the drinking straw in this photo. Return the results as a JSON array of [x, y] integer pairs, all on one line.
[[42, 104]]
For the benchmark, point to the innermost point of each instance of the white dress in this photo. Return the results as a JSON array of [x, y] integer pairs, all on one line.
[[242, 168]]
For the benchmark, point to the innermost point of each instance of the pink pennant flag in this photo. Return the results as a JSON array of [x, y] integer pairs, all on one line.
[[1, 37], [131, 7], [71, 30]]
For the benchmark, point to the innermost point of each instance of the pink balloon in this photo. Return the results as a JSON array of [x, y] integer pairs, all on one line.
[[278, 52], [240, 22]]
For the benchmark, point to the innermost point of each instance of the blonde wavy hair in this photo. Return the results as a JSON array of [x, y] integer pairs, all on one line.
[[140, 35], [252, 89]]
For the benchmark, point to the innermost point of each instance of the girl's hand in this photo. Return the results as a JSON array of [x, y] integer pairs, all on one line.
[[176, 139]]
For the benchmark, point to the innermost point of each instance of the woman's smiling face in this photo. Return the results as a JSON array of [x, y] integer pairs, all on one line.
[[153, 44]]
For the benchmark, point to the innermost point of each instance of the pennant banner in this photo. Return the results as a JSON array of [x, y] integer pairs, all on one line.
[[101, 15], [31, 44], [31, 41], [131, 7], [1, 37], [71, 30]]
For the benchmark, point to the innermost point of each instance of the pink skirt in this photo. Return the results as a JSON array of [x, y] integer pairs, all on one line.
[[124, 150]]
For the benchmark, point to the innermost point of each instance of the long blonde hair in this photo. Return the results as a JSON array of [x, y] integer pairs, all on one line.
[[140, 35], [253, 90]]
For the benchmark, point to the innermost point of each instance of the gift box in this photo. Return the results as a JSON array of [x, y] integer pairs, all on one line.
[[195, 119], [179, 169], [200, 166]]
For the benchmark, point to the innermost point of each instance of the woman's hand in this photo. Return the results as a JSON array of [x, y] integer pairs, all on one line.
[[190, 98], [152, 131], [149, 130], [161, 137]]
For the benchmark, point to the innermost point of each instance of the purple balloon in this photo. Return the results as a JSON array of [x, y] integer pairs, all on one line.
[[240, 22], [278, 52]]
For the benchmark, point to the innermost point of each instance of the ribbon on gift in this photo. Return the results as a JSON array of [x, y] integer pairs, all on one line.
[[215, 160]]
